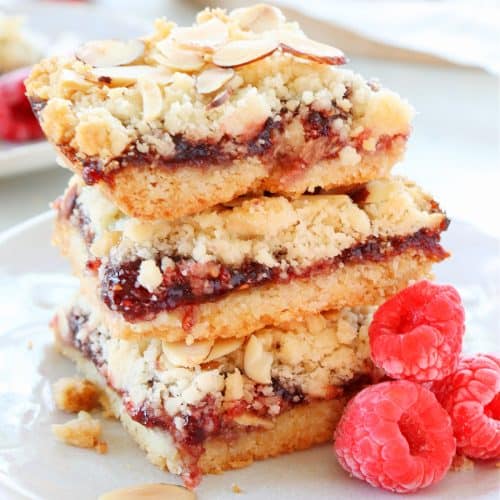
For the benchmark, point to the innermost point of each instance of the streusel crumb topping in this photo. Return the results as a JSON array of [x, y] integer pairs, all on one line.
[[225, 76], [272, 231], [309, 358]]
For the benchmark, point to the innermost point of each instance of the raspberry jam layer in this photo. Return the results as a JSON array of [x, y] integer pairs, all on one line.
[[190, 283], [322, 141]]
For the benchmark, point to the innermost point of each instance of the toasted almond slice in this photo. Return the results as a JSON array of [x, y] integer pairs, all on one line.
[[152, 101], [223, 347], [177, 58], [257, 362], [241, 52], [181, 354], [102, 53], [121, 76], [258, 18], [71, 81], [159, 491], [250, 420], [309, 49], [204, 36], [213, 79], [219, 99]]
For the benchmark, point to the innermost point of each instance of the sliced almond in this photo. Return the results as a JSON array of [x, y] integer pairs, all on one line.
[[177, 58], [257, 362], [204, 36], [248, 419], [181, 354], [122, 76], [223, 347], [152, 102], [258, 18], [70, 81], [234, 386], [309, 49], [102, 53], [219, 99], [213, 79], [241, 52], [159, 491]]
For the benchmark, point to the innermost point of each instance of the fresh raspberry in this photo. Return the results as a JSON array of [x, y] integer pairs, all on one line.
[[17, 121], [471, 396], [417, 334], [395, 435]]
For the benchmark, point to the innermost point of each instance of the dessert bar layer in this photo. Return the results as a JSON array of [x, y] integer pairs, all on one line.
[[188, 118], [256, 262], [218, 405]]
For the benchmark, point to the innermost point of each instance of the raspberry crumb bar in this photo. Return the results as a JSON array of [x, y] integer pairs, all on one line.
[[238, 103], [217, 405], [250, 264]]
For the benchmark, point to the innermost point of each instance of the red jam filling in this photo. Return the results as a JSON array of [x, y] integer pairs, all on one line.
[[268, 144], [189, 283]]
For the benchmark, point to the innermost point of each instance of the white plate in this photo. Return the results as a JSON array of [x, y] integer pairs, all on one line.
[[78, 22], [34, 279]]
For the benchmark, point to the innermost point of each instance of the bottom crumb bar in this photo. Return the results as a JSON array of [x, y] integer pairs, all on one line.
[[218, 405]]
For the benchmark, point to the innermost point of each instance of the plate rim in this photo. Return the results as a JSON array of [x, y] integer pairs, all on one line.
[[12, 232]]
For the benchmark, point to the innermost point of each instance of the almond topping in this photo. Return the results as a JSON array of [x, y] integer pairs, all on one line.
[[250, 420], [213, 79], [259, 18], [110, 52], [177, 58], [205, 36], [122, 76], [241, 52], [223, 347], [69, 81], [234, 386], [152, 102], [219, 99], [309, 49], [181, 354], [257, 362], [159, 491]]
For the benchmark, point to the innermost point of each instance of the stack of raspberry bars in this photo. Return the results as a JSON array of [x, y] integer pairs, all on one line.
[[232, 219]]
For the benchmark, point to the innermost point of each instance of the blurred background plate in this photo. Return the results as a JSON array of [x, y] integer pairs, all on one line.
[[73, 23], [23, 158]]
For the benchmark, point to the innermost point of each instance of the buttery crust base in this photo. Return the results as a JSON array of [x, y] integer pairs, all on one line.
[[296, 429], [153, 192], [240, 313]]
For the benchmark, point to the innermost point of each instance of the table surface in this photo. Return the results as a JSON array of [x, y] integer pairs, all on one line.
[[453, 152]]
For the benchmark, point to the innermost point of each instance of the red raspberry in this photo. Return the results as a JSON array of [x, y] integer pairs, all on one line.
[[395, 435], [471, 396], [17, 121], [417, 334]]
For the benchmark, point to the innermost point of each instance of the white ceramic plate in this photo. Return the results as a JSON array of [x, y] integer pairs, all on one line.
[[73, 23], [34, 279]]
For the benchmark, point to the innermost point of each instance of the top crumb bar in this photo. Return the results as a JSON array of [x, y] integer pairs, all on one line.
[[190, 117]]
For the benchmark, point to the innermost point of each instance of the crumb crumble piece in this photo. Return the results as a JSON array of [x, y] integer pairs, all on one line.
[[461, 463], [73, 395], [82, 432], [236, 489]]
